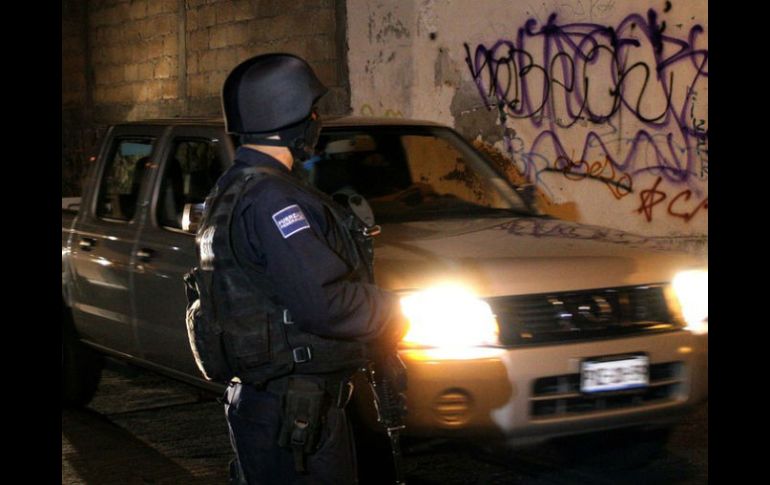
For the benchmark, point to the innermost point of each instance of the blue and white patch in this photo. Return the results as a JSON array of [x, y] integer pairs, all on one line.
[[290, 220]]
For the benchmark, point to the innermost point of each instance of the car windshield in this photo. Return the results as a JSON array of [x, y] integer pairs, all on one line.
[[412, 173]]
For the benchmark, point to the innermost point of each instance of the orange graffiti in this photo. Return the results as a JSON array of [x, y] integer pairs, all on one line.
[[620, 184], [704, 204], [652, 197]]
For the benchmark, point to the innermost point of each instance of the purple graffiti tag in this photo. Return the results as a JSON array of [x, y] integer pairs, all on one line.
[[511, 78], [544, 228]]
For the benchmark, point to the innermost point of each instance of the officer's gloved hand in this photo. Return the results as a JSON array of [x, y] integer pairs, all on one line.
[[394, 330]]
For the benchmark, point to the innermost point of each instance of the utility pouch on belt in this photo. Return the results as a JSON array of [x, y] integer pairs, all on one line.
[[303, 408]]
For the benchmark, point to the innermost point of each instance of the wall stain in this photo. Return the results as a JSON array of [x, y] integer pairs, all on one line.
[[368, 110], [391, 28], [472, 118], [445, 71]]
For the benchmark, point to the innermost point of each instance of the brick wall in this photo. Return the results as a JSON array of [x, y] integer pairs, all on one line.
[[72, 54], [220, 34], [136, 59], [78, 133]]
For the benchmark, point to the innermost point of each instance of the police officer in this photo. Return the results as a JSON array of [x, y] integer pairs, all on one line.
[[287, 422]]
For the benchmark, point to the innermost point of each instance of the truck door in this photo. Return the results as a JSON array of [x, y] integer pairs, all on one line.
[[105, 237], [193, 160]]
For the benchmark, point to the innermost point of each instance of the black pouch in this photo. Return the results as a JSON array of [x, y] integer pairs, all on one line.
[[303, 410], [247, 341]]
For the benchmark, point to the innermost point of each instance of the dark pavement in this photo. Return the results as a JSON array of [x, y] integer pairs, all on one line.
[[145, 429]]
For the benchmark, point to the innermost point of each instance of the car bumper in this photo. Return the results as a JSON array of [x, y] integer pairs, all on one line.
[[519, 395]]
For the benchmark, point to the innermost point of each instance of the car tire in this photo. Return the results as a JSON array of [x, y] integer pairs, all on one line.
[[81, 367]]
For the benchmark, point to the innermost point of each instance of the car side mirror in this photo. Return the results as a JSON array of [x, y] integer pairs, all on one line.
[[191, 217]]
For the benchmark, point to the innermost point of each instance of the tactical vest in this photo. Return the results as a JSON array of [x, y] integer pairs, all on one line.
[[235, 325]]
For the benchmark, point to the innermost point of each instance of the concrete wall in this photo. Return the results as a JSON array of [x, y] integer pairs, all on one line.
[[602, 104]]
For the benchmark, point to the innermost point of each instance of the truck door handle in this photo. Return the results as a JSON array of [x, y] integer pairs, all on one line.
[[145, 254], [87, 243]]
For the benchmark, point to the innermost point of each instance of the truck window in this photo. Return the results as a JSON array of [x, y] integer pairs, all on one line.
[[444, 172], [122, 178], [410, 173], [189, 174]]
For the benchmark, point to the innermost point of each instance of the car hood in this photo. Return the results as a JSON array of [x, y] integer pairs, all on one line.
[[516, 255]]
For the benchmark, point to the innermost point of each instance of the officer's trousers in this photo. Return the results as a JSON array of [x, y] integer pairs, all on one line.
[[254, 419]]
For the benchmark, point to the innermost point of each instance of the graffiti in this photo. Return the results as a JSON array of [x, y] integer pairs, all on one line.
[[532, 164], [528, 163], [701, 148], [620, 184], [560, 210], [588, 74], [541, 228], [652, 197], [572, 49], [578, 10], [686, 216], [367, 110]]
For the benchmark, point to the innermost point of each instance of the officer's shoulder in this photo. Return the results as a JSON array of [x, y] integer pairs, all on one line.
[[273, 188]]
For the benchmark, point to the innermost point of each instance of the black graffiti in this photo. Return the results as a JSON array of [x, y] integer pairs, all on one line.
[[521, 84], [620, 184], [701, 147], [508, 73]]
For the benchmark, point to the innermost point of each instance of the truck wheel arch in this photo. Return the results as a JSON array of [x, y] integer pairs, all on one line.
[[81, 365]]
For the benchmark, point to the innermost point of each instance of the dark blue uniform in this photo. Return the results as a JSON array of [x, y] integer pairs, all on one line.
[[287, 232]]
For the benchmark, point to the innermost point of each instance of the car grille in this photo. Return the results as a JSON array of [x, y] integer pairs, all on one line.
[[581, 315], [560, 396]]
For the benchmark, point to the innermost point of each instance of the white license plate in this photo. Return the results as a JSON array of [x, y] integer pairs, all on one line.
[[614, 375]]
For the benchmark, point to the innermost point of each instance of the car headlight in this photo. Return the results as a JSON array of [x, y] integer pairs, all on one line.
[[448, 317], [692, 291]]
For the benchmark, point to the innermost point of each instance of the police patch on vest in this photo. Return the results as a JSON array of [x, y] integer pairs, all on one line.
[[290, 220]]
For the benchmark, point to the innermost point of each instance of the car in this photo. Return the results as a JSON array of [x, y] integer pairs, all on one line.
[[523, 327]]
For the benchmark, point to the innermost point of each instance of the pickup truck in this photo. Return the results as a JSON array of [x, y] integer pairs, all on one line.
[[523, 327]]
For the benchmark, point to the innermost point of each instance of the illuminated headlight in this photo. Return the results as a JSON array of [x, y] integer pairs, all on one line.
[[448, 317], [692, 290]]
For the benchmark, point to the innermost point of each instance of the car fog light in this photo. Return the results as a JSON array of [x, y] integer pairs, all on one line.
[[453, 407]]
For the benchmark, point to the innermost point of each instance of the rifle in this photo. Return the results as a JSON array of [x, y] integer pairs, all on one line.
[[387, 379]]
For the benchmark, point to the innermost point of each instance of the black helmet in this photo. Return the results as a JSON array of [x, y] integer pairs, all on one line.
[[268, 93]]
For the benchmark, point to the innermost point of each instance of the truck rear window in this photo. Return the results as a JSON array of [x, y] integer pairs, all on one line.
[[190, 172]]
